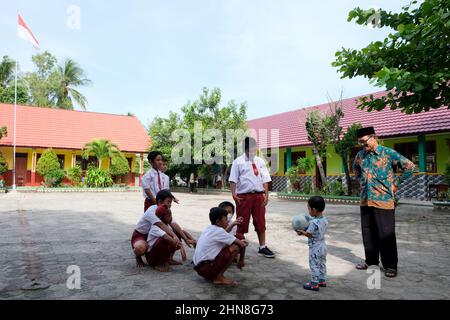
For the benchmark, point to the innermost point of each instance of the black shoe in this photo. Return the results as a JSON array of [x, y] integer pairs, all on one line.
[[266, 253]]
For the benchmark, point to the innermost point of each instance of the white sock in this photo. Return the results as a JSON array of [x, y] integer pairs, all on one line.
[[262, 247]]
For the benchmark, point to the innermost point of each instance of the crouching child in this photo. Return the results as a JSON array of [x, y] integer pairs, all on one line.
[[216, 249]]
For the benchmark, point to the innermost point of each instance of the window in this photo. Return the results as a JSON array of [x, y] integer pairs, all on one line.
[[294, 157], [61, 160], [410, 150], [84, 163]]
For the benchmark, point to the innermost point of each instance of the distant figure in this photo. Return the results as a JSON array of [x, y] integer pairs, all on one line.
[[192, 182], [218, 181]]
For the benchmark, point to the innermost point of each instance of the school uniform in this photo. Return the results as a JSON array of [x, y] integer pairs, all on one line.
[[153, 181], [250, 176], [158, 250], [165, 181], [317, 249], [212, 252], [233, 230], [144, 224]]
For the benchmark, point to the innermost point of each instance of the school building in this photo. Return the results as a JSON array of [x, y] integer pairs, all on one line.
[[423, 138], [66, 132]]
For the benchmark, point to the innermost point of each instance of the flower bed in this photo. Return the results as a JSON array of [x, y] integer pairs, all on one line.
[[331, 199]]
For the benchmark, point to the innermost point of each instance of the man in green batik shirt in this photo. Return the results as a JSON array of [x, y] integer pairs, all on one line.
[[375, 168]]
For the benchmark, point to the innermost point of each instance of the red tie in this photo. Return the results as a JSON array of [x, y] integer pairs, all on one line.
[[159, 181], [255, 170]]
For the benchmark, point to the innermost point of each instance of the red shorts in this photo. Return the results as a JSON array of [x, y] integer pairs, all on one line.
[[160, 253], [211, 269], [136, 236], [148, 203], [251, 205]]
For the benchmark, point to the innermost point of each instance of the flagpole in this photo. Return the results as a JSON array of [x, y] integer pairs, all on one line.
[[15, 124]]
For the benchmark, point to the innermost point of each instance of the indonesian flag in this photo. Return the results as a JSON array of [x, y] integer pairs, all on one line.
[[24, 32]]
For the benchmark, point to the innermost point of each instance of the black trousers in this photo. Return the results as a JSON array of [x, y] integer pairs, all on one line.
[[378, 231]]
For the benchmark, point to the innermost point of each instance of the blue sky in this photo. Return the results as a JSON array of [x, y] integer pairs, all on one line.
[[149, 57]]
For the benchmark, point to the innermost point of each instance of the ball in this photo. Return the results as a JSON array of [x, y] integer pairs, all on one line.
[[300, 222]]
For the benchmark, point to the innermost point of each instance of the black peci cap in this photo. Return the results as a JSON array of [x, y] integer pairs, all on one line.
[[365, 131]]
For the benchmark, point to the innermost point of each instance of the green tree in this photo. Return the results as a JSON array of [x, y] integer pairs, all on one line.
[[208, 111], [119, 167], [319, 136], [343, 146], [53, 85], [412, 63], [102, 149], [7, 83], [3, 163], [49, 167], [42, 83], [71, 76]]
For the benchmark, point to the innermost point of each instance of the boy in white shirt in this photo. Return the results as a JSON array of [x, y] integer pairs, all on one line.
[[152, 181], [216, 249], [161, 245], [140, 234]]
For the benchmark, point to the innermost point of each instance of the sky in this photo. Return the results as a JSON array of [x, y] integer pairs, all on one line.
[[150, 57]]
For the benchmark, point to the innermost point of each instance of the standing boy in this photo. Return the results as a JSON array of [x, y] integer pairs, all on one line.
[[249, 179]]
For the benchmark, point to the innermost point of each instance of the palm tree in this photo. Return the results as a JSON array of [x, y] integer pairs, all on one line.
[[71, 76], [101, 148]]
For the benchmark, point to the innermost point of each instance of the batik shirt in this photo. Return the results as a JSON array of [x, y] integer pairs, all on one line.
[[376, 176]]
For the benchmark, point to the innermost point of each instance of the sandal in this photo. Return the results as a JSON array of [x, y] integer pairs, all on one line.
[[390, 273], [363, 266]]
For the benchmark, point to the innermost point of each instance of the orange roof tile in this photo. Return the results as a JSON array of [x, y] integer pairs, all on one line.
[[67, 129]]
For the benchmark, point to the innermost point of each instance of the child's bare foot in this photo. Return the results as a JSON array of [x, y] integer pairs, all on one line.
[[162, 268], [221, 280], [173, 262], [139, 262]]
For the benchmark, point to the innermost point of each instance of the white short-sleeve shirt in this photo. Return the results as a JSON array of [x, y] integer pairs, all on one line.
[[243, 175], [150, 181], [165, 181], [210, 243], [233, 230], [148, 219], [154, 234]]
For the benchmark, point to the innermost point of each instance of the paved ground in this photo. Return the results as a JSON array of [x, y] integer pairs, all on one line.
[[42, 234]]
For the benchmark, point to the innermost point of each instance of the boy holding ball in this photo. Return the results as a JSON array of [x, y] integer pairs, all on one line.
[[316, 241]]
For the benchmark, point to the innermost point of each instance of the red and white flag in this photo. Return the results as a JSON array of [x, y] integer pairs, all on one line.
[[24, 32]]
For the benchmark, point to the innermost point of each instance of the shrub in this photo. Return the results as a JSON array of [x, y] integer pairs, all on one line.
[[307, 189], [74, 175], [49, 167], [48, 163], [54, 178], [98, 178], [3, 165], [447, 173], [119, 167]]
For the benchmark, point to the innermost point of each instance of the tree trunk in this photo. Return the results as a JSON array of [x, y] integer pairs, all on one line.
[[320, 166], [347, 173]]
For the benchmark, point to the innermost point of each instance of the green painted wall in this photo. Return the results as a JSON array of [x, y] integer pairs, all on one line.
[[334, 161]]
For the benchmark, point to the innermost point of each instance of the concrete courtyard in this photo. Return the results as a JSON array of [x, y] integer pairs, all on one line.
[[42, 234]]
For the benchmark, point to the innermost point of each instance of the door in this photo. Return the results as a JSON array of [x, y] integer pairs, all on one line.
[[21, 168]]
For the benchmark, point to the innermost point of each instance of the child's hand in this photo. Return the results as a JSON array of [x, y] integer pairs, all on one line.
[[301, 232], [190, 243], [238, 221], [244, 243]]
